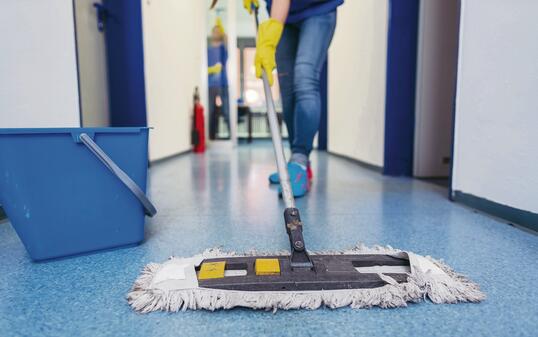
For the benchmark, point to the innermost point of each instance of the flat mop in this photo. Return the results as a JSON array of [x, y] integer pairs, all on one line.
[[361, 277]]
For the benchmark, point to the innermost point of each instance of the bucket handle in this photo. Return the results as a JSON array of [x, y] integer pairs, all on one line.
[[149, 209]]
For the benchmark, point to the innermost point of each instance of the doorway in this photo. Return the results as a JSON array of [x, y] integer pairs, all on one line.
[[110, 62], [436, 83], [92, 65]]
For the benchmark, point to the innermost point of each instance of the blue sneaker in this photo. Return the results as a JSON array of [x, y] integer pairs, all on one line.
[[298, 179], [275, 179]]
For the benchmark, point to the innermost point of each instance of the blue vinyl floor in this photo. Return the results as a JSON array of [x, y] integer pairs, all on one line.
[[222, 199]]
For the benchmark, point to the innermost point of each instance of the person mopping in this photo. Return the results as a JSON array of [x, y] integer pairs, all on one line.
[[361, 277], [295, 40]]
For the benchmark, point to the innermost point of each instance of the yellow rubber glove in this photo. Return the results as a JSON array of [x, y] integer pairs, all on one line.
[[219, 25], [248, 5], [269, 34], [216, 69]]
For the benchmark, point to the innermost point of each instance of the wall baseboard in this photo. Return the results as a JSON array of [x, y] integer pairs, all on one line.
[[512, 215], [358, 162], [175, 155]]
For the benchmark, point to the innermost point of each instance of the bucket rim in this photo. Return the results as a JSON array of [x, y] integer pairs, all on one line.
[[59, 130]]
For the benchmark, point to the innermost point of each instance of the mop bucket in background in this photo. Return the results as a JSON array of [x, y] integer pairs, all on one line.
[[69, 191]]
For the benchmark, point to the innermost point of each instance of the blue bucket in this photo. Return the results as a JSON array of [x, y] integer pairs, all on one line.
[[70, 191]]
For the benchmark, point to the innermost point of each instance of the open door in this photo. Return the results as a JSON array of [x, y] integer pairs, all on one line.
[[92, 64], [125, 61], [436, 83], [111, 62]]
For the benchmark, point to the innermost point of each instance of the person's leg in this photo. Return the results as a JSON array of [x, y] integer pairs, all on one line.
[[225, 107], [212, 97], [315, 35], [285, 60]]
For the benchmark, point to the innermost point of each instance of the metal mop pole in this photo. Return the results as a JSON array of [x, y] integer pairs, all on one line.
[[299, 257], [278, 147]]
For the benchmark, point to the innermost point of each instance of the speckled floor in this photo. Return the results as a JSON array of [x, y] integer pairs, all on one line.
[[222, 198]]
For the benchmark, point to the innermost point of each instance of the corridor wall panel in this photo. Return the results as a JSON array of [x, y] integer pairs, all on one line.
[[496, 131], [357, 81], [38, 65], [174, 59]]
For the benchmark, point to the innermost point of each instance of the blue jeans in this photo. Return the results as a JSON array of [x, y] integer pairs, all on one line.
[[300, 56]]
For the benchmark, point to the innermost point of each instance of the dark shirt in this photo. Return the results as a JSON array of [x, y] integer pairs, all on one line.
[[302, 9]]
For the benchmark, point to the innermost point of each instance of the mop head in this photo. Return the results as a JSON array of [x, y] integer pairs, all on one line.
[[173, 286]]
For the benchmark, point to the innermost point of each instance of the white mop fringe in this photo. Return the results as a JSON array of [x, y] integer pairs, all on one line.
[[429, 279]]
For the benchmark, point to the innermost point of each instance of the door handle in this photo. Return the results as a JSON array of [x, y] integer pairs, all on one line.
[[102, 16]]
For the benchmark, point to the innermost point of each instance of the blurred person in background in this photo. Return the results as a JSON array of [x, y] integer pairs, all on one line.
[[217, 56]]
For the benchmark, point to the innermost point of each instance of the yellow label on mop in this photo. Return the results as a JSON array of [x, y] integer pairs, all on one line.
[[211, 270], [267, 267]]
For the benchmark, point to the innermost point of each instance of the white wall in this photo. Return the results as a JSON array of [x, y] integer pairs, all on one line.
[[92, 63], [356, 81], [436, 79], [496, 137], [38, 81], [174, 36]]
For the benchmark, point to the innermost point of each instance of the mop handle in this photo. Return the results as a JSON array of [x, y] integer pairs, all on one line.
[[278, 147]]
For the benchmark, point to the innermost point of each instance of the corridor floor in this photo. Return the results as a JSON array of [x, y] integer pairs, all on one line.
[[222, 199]]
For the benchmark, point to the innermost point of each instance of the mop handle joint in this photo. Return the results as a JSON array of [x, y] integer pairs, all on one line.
[[294, 227]]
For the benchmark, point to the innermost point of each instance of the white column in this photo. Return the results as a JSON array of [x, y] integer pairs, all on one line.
[[232, 68]]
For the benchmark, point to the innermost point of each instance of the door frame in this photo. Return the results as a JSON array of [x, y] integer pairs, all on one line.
[[402, 44]]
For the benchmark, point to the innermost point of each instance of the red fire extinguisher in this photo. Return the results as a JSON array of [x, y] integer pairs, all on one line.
[[198, 125]]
